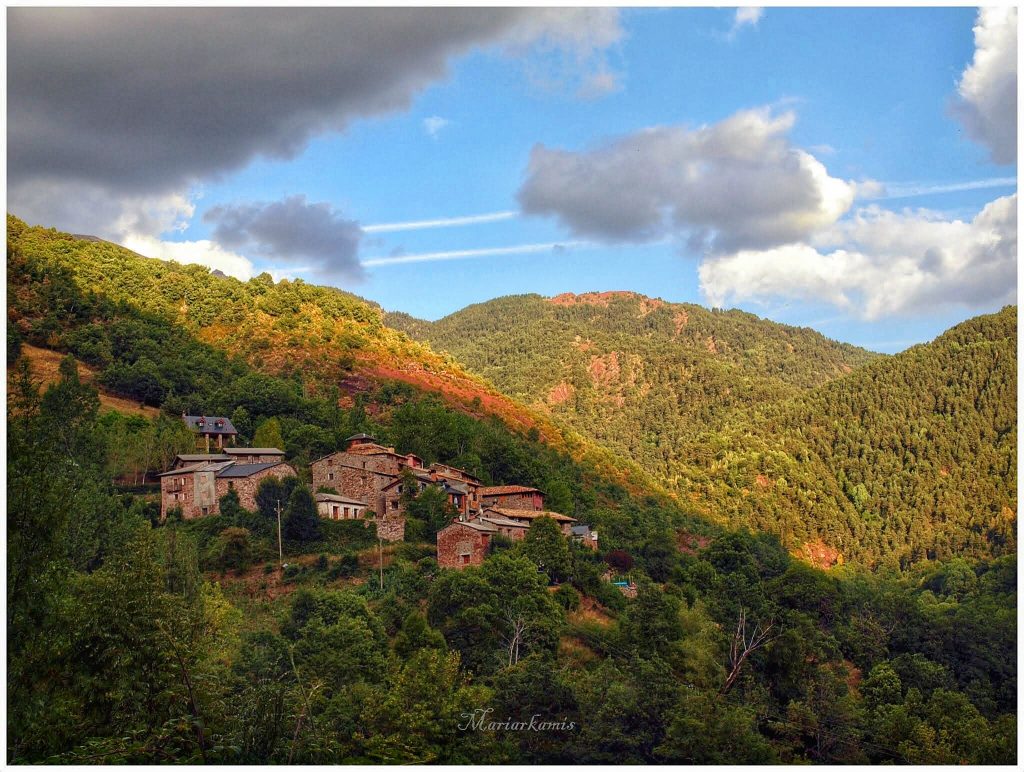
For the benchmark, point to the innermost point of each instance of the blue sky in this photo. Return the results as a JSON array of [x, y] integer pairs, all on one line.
[[872, 99]]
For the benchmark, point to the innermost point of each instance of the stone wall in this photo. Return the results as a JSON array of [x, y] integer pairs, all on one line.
[[459, 546], [178, 491], [390, 528], [345, 473], [246, 487], [534, 501]]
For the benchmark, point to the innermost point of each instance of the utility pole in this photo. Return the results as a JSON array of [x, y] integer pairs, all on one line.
[[280, 549], [380, 559]]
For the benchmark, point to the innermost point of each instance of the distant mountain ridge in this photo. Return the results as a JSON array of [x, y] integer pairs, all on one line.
[[754, 422]]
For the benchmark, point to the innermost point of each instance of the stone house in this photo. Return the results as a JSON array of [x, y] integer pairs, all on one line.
[[254, 455], [197, 488], [527, 516], [584, 536], [216, 428], [334, 507], [188, 459], [362, 471], [464, 543], [512, 529], [512, 497]]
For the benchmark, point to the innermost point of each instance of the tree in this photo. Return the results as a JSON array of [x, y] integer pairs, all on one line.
[[268, 435], [546, 546], [229, 505], [302, 523]]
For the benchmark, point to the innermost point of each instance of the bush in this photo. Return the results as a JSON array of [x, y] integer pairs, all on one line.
[[231, 550], [567, 597]]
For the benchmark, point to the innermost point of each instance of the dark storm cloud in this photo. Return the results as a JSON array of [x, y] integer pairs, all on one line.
[[313, 237], [152, 98], [113, 108]]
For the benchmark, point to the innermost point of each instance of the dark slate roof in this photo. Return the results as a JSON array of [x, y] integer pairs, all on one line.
[[254, 451], [203, 457], [580, 530], [210, 424], [246, 470], [456, 486]]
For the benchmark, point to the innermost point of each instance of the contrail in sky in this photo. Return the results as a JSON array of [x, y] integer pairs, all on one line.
[[444, 222], [911, 190], [464, 254]]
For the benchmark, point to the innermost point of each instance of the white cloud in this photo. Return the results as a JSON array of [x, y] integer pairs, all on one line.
[[885, 264], [747, 16], [988, 88], [434, 124], [735, 184], [201, 252], [890, 190]]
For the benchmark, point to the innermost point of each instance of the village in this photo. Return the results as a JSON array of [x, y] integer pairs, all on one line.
[[366, 481]]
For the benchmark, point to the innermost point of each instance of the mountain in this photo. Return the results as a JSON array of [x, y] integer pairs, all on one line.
[[842, 453], [136, 640], [180, 338]]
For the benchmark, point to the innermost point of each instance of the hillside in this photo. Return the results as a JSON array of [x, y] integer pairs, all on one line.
[[166, 334], [842, 453], [138, 640], [639, 375]]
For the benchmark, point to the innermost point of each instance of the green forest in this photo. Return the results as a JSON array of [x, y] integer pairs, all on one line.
[[882, 460], [136, 640]]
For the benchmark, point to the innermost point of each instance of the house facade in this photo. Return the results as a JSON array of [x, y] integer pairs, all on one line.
[[215, 431], [512, 497], [196, 489], [464, 543], [334, 507]]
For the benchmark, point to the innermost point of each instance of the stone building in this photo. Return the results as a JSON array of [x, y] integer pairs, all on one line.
[[512, 497], [254, 455], [197, 488], [584, 536], [527, 516], [207, 428], [464, 543], [334, 507], [512, 529]]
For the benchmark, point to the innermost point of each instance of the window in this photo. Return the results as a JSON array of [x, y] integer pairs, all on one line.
[[330, 475], [335, 511], [346, 513], [465, 559], [206, 510], [394, 505]]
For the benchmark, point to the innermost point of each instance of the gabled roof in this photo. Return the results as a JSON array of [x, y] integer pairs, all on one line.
[[463, 472], [194, 457], [458, 487], [246, 470], [476, 525], [210, 424], [502, 520], [201, 466], [333, 497], [530, 514], [502, 490], [580, 530], [254, 451]]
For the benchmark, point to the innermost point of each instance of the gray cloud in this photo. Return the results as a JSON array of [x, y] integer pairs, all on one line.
[[313, 238], [734, 184], [987, 90], [148, 101]]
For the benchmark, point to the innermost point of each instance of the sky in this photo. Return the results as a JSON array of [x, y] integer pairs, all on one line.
[[847, 169]]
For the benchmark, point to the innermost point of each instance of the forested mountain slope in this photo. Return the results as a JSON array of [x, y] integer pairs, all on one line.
[[136, 640], [639, 375], [772, 427], [176, 336]]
